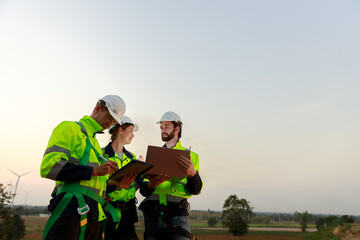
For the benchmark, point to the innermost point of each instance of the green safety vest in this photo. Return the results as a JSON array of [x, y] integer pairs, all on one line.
[[123, 195], [80, 188], [174, 189]]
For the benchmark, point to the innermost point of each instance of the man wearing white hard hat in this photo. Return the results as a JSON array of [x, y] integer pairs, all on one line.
[[166, 207], [122, 196], [73, 158]]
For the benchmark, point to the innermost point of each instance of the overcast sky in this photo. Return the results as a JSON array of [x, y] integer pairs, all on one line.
[[268, 91]]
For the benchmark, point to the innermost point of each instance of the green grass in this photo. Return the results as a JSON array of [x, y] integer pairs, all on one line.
[[195, 223], [283, 225], [201, 232]]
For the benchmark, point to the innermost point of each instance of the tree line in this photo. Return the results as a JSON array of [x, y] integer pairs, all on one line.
[[236, 215]]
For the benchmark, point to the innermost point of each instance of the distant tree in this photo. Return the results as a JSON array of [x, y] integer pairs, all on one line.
[[11, 225], [212, 221], [331, 222], [303, 219], [327, 222], [236, 215], [260, 220], [348, 219]]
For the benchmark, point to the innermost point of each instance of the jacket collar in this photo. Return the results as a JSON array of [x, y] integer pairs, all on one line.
[[110, 151], [177, 146], [91, 126]]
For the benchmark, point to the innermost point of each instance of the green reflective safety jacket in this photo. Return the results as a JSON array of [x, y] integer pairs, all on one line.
[[174, 190], [67, 145], [124, 195]]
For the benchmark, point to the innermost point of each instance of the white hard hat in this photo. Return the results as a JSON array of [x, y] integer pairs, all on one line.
[[170, 116], [115, 105], [126, 119]]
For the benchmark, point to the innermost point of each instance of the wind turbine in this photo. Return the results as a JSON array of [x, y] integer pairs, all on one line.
[[17, 183], [11, 185], [26, 196]]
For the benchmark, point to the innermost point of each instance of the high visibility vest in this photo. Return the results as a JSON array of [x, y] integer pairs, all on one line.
[[124, 195], [174, 189]]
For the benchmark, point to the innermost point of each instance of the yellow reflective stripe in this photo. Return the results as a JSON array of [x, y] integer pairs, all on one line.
[[83, 222]]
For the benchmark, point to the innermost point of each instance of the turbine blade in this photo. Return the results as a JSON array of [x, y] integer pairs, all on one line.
[[13, 172], [26, 173]]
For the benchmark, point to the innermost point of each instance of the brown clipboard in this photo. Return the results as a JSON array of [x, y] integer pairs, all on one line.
[[135, 167], [165, 161]]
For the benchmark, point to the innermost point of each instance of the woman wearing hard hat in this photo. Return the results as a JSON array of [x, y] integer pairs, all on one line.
[[123, 196]]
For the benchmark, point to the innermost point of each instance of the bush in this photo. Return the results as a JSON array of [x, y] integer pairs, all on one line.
[[212, 221], [11, 225]]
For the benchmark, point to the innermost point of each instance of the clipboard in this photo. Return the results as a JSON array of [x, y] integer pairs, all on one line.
[[135, 167], [165, 161]]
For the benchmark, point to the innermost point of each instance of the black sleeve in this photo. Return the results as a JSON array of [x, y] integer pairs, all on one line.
[[194, 184], [110, 189], [139, 181], [145, 190], [73, 172]]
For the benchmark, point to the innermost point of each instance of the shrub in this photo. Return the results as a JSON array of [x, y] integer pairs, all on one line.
[[212, 221]]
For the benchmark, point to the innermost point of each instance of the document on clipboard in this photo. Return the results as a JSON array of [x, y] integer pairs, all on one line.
[[135, 167], [165, 161]]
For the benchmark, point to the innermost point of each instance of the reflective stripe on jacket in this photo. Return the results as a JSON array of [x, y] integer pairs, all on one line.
[[64, 152], [124, 195], [174, 190]]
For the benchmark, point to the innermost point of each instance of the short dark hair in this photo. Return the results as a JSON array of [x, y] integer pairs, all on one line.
[[176, 124], [102, 105]]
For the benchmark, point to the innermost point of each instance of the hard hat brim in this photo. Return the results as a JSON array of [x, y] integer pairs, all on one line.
[[117, 119], [136, 127]]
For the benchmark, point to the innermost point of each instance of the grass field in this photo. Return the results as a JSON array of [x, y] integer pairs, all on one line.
[[35, 225]]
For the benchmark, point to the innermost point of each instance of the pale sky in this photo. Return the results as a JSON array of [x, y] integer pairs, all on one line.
[[267, 91]]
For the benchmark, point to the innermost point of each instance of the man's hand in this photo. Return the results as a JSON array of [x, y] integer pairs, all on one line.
[[186, 165], [141, 158], [109, 167], [156, 180]]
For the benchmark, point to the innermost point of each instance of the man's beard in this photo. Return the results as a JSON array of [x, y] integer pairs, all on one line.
[[168, 137]]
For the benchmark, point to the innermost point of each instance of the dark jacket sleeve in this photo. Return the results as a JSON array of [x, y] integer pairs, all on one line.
[[194, 184], [73, 172], [145, 190]]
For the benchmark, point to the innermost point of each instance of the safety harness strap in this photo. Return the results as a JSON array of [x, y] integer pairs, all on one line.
[[56, 213], [83, 210], [75, 189], [89, 146]]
